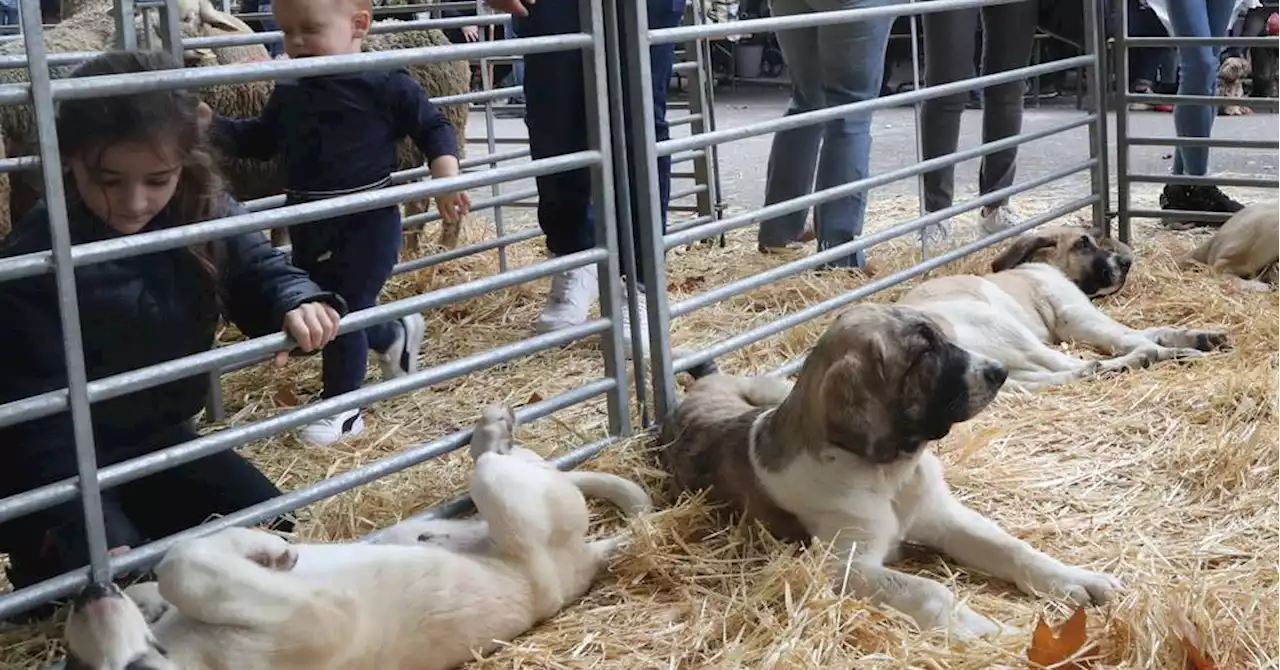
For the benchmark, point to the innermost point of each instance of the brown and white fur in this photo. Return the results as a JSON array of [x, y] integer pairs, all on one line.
[[1246, 248], [1039, 295], [250, 600], [1232, 74], [842, 455]]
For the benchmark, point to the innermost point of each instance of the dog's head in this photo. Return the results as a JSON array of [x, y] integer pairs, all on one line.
[[889, 381], [1098, 268], [1234, 69], [107, 631]]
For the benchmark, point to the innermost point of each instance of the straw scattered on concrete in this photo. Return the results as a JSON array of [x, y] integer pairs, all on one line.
[[1167, 477]]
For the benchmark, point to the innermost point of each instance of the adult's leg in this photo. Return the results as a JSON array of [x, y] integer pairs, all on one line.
[[851, 63], [555, 115], [1197, 18], [948, 47], [793, 156], [1015, 26]]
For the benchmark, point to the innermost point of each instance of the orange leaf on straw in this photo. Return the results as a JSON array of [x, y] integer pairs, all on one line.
[[1191, 641], [285, 395], [1050, 649]]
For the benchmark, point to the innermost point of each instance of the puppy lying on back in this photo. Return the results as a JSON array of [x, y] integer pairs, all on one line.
[[243, 599], [1246, 247], [842, 455]]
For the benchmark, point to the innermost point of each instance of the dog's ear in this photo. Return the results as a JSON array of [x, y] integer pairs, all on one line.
[[1114, 245], [1021, 251]]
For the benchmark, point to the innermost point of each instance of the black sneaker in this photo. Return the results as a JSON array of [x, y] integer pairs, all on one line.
[[1197, 198]]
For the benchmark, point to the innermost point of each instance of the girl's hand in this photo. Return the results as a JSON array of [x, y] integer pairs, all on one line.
[[312, 325], [471, 33], [453, 206], [204, 116], [516, 7]]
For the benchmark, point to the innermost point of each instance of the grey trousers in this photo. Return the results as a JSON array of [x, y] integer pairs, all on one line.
[[1008, 34]]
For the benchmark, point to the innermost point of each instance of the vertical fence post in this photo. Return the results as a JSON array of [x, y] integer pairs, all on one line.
[[170, 30], [623, 196], [126, 29], [1121, 55], [918, 109], [1095, 38], [486, 83], [596, 85], [643, 160], [64, 275]]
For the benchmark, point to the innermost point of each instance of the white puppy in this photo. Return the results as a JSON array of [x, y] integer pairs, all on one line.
[[249, 600]]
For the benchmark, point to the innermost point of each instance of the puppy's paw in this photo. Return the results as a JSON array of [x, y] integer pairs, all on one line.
[[1210, 340], [1078, 585], [493, 431], [270, 551], [967, 624], [146, 595]]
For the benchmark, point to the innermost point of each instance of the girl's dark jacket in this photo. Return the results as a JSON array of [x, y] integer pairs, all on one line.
[[134, 312]]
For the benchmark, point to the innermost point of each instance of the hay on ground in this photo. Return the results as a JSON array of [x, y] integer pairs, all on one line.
[[1166, 477]]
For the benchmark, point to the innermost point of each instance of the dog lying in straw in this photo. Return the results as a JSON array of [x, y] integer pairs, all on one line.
[[249, 600], [841, 455], [1039, 295], [1246, 247]]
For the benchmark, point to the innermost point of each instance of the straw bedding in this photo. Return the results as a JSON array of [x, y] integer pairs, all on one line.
[[1167, 477]]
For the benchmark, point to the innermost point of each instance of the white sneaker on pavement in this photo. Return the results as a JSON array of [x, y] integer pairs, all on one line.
[[998, 219], [572, 294]]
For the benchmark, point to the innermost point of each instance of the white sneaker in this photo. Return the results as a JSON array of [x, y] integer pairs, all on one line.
[[570, 299], [935, 235], [998, 219], [331, 429], [401, 358], [642, 308]]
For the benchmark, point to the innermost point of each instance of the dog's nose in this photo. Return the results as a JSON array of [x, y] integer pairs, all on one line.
[[93, 593], [1124, 262], [995, 374]]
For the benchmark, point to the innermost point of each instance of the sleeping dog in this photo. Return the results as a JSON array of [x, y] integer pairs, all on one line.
[[245, 599]]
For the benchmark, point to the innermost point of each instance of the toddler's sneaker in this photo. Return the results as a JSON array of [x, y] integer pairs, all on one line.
[[401, 358], [570, 299], [328, 430], [998, 219]]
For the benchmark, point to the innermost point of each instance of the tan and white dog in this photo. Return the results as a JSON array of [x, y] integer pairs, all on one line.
[[249, 600], [1040, 294], [1246, 247], [842, 455]]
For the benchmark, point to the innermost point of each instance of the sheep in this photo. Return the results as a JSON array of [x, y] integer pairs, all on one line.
[[91, 29]]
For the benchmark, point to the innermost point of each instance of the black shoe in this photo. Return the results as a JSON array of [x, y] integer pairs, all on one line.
[[1198, 198]]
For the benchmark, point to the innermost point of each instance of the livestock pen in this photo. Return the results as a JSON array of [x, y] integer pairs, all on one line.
[[1166, 477]]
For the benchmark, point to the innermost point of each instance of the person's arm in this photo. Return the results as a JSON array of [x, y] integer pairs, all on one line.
[[260, 286], [253, 138], [417, 117], [517, 7]]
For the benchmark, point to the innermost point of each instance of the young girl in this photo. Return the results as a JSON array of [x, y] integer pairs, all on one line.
[[137, 163]]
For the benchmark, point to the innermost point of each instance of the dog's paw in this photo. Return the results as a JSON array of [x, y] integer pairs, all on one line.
[[967, 624], [270, 551], [1080, 586], [1211, 340], [146, 595], [493, 431]]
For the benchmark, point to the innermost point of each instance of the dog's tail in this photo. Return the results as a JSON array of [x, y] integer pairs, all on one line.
[[622, 492]]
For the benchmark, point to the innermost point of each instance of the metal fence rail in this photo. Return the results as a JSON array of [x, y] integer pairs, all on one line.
[[64, 257], [1125, 212], [654, 243]]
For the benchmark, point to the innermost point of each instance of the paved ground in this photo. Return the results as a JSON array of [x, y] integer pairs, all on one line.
[[743, 163]]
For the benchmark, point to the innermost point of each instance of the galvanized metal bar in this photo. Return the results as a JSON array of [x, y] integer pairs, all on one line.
[[238, 73], [643, 160], [487, 95], [469, 250], [1100, 179], [1269, 104], [840, 111], [495, 189], [595, 77], [816, 310], [917, 112], [1212, 142], [1121, 51], [68, 304], [752, 282], [815, 198], [1248, 182], [135, 245], [229, 438], [773, 24], [19, 164], [686, 192], [419, 220], [170, 30], [143, 557], [1179, 214], [52, 402], [622, 199], [1251, 42], [126, 30]]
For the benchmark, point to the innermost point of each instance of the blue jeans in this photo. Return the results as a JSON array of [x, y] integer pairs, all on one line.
[[517, 68], [9, 16], [556, 116], [829, 65], [1197, 18]]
